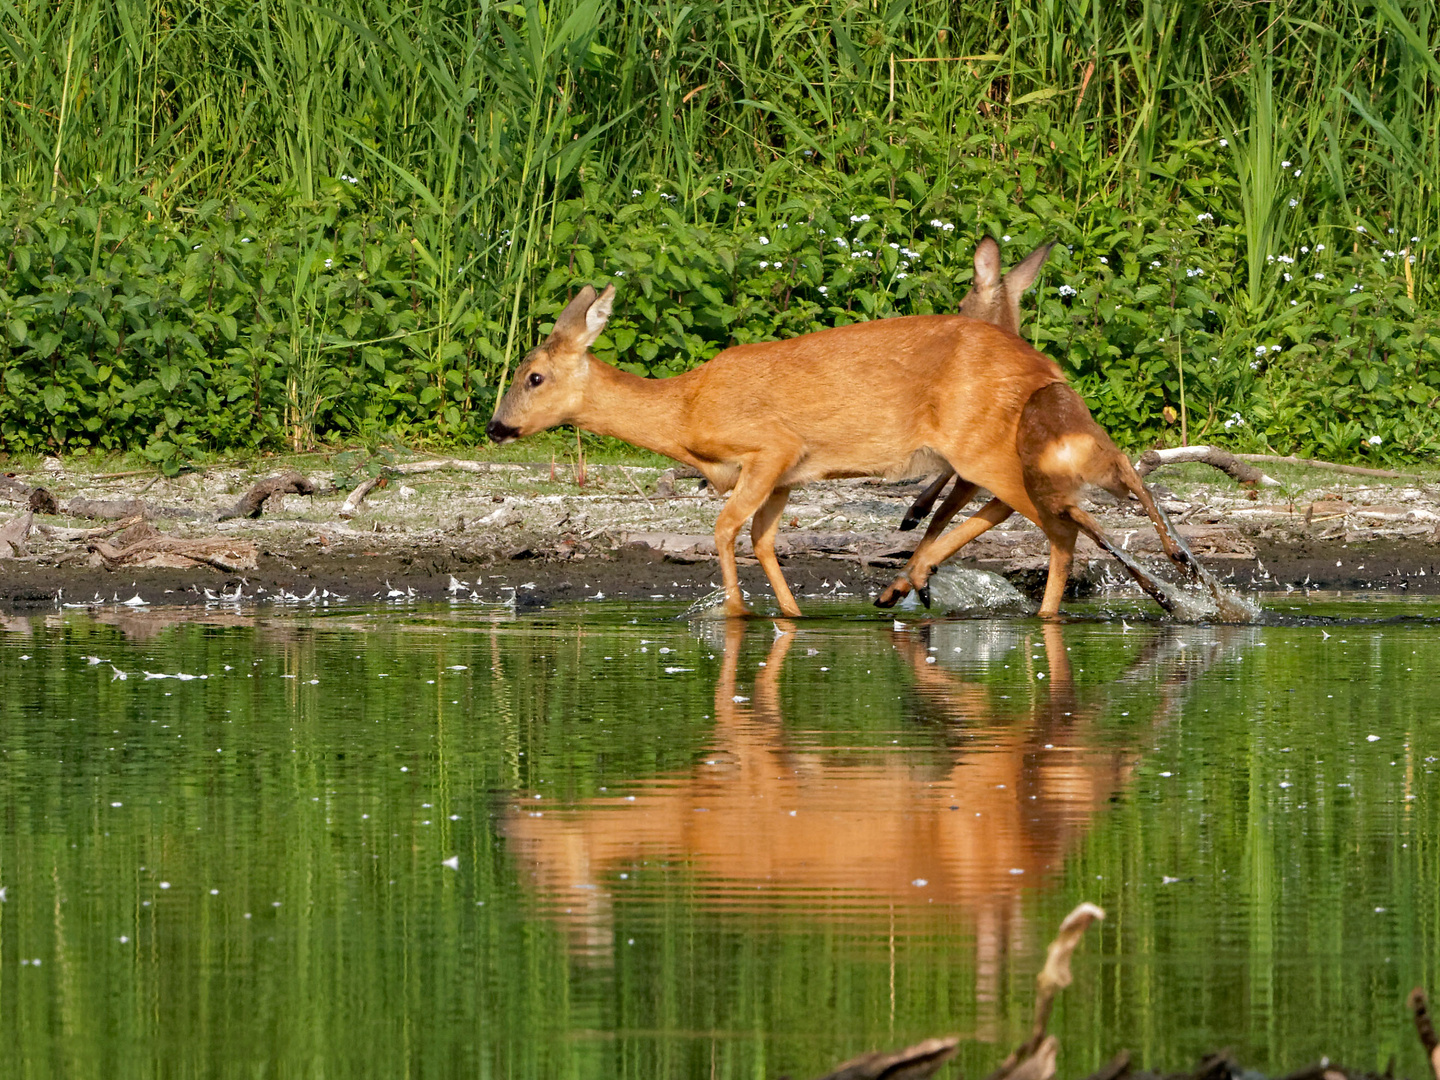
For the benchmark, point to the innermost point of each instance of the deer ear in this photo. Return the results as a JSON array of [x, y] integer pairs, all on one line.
[[987, 264], [1023, 275], [596, 316], [571, 321]]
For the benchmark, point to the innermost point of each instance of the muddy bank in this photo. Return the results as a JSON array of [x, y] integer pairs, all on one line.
[[507, 531]]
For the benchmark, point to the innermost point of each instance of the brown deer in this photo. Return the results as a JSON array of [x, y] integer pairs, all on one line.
[[892, 397]]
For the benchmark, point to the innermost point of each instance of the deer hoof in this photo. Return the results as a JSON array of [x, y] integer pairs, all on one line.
[[893, 592], [907, 523], [924, 593]]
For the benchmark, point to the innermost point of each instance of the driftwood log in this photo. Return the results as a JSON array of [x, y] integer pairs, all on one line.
[[13, 535], [253, 501], [1223, 460], [141, 545]]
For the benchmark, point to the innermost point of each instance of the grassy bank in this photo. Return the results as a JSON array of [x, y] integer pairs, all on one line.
[[243, 226]]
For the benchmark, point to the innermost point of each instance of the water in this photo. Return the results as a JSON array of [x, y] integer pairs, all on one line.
[[699, 850]]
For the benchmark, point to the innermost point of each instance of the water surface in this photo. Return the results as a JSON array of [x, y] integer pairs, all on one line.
[[599, 842]]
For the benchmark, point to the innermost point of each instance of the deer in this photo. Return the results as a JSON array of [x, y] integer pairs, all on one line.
[[891, 397]]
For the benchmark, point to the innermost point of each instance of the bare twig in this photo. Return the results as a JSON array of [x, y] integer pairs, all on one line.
[[1355, 470]]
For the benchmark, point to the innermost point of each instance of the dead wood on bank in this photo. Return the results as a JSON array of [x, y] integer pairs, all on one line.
[[253, 501], [1223, 460], [142, 545]]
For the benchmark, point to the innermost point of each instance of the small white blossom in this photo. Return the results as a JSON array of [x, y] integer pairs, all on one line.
[[1284, 164], [1304, 251], [1294, 203], [1235, 420], [936, 223], [859, 217], [1195, 272], [949, 227], [840, 241], [1286, 276], [1259, 350], [1359, 228], [1066, 290], [901, 276], [1155, 265], [1391, 230], [764, 265], [741, 202], [246, 239], [349, 179], [1104, 260], [1319, 247], [1254, 365], [894, 247], [619, 273], [823, 289], [1375, 440], [635, 192], [1319, 277], [1224, 142], [328, 263], [764, 239], [1005, 238]]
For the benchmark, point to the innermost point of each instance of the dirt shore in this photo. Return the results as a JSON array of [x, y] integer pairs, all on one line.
[[505, 530]]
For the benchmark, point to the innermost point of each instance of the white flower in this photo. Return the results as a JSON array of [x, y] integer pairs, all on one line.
[[855, 255], [823, 289], [1319, 277], [1284, 164], [1066, 290], [1289, 260], [784, 225], [1207, 216], [764, 265], [859, 217], [1356, 287], [1286, 277], [1254, 365], [1196, 272], [246, 239], [1319, 247], [1104, 260], [1259, 350], [195, 248], [740, 202], [328, 264], [1359, 228], [635, 192], [1297, 172], [894, 247], [1304, 251], [764, 239], [1391, 230], [842, 242], [1155, 265], [900, 276], [349, 179], [1414, 239], [1374, 440], [1005, 238], [1294, 202], [1235, 420], [936, 223], [1274, 348], [949, 227], [1224, 142]]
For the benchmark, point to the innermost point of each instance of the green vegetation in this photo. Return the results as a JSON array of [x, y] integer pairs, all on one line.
[[230, 226]]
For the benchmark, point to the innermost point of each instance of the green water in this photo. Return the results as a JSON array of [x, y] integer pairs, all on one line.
[[677, 851]]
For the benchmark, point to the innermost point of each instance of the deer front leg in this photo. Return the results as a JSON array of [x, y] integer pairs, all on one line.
[[754, 489], [762, 534]]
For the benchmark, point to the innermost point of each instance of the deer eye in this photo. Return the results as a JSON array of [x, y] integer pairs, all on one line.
[[535, 378]]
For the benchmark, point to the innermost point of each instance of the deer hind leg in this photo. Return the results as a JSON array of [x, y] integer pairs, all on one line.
[[1061, 532], [960, 494], [921, 507], [755, 488], [1126, 481], [762, 534], [1143, 577], [930, 555]]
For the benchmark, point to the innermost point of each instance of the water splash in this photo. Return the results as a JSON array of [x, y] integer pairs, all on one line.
[[957, 590]]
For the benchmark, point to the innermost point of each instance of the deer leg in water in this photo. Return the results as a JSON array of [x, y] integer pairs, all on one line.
[[922, 506], [762, 534], [1092, 529], [754, 488], [1061, 532], [960, 494], [932, 555]]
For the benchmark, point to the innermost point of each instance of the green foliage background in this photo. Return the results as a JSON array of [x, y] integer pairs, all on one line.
[[229, 226]]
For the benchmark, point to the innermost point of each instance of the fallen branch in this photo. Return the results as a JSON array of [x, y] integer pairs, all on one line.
[[253, 501], [913, 1063], [220, 552], [1355, 470], [1223, 460], [1426, 1030]]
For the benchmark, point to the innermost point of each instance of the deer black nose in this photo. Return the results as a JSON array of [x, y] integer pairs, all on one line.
[[501, 432]]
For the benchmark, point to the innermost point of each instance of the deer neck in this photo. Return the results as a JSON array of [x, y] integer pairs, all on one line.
[[645, 412]]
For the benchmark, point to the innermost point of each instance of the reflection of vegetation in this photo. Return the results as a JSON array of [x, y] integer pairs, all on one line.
[[1269, 941]]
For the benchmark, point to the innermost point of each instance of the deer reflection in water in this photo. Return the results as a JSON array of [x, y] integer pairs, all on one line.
[[765, 822]]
